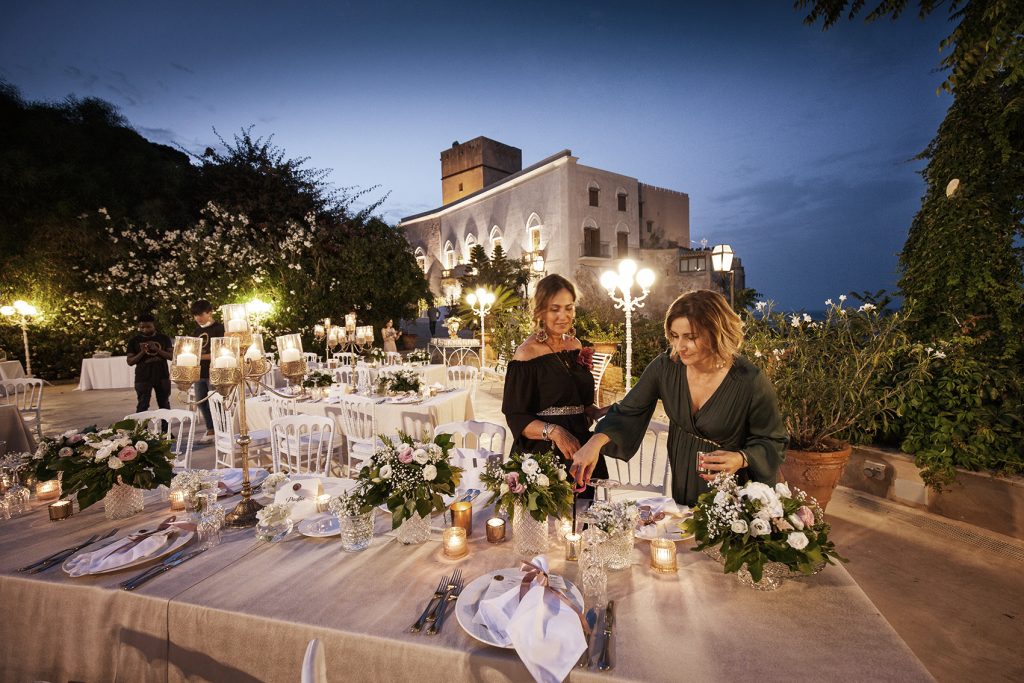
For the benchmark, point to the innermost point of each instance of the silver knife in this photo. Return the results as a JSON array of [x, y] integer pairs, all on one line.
[[172, 561], [591, 623], [604, 662]]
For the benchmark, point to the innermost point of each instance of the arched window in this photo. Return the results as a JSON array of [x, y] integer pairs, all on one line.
[[421, 259], [621, 240], [591, 239], [621, 195], [449, 256], [534, 233], [470, 243], [496, 240], [594, 191]]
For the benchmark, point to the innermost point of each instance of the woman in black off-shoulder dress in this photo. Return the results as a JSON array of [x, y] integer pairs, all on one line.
[[549, 391]]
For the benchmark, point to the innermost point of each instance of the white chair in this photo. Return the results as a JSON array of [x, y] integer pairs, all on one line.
[[601, 361], [464, 377], [392, 358], [346, 357], [302, 443], [314, 666], [349, 375], [177, 425], [474, 434], [271, 356], [359, 426], [311, 357], [27, 394], [499, 370], [224, 434], [647, 470], [280, 406]]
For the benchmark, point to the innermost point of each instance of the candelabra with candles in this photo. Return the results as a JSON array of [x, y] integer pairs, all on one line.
[[623, 282], [480, 303], [232, 373], [25, 312]]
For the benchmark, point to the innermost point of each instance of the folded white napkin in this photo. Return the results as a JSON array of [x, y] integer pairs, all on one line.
[[663, 528], [545, 632], [115, 555], [404, 399], [302, 499], [664, 504], [231, 478]]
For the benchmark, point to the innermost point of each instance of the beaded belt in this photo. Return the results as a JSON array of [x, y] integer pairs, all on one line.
[[562, 410]]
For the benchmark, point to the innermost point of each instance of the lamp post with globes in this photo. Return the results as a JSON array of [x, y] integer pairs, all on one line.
[[480, 302], [623, 282], [25, 312], [721, 262]]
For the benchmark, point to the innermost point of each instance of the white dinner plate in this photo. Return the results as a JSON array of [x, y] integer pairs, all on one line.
[[322, 525], [671, 531], [468, 602], [181, 539]]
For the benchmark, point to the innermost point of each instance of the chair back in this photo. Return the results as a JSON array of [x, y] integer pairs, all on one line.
[[223, 431], [357, 418], [27, 394], [648, 469], [462, 376], [392, 358], [302, 443], [601, 361], [311, 357], [281, 406], [314, 666], [475, 434], [349, 375], [176, 425], [346, 357]]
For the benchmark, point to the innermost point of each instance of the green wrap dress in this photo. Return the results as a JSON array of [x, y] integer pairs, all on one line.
[[742, 414]]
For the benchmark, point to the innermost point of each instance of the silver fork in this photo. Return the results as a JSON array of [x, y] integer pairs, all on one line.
[[91, 539], [60, 557], [453, 595], [438, 594]]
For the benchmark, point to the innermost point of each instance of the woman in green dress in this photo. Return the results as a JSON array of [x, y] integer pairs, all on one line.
[[717, 403]]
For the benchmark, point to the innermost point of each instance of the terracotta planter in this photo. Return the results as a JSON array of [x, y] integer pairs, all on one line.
[[816, 473], [605, 347]]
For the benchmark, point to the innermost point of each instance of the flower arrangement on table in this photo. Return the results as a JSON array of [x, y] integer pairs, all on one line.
[[614, 518], [273, 482], [418, 356], [537, 482], [274, 514], [398, 381], [317, 379], [754, 524], [453, 324], [190, 483], [375, 354], [350, 504], [93, 462], [410, 477]]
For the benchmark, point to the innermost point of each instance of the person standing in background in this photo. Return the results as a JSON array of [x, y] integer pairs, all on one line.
[[206, 328], [149, 352]]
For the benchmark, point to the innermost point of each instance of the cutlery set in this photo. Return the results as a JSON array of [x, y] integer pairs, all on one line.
[[439, 606], [61, 555], [600, 640]]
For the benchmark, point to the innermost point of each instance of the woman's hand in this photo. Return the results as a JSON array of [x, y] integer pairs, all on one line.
[[585, 460], [566, 442], [720, 461]]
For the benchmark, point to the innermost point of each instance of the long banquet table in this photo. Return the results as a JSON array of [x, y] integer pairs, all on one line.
[[244, 611]]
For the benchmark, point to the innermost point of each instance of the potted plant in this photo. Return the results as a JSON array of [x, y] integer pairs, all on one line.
[[605, 335], [834, 377]]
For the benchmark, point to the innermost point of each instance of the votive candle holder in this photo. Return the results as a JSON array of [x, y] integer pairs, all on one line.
[[62, 509], [663, 556], [462, 516], [453, 541], [495, 530]]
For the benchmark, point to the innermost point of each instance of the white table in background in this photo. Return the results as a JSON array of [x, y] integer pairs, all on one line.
[[107, 373]]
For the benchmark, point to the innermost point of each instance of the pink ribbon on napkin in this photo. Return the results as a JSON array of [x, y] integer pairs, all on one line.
[[647, 518], [534, 574]]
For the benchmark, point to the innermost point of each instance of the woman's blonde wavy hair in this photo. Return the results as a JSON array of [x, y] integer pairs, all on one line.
[[712, 318]]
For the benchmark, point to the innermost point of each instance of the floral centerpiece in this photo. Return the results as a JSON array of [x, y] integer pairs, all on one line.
[[529, 489], [94, 462], [190, 482], [619, 520], [317, 379], [409, 478], [355, 519], [273, 522], [398, 381], [418, 356], [453, 324], [755, 526], [375, 354], [273, 482]]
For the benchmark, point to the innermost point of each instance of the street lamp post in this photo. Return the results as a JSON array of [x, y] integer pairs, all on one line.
[[480, 302], [721, 262], [25, 312], [623, 281]]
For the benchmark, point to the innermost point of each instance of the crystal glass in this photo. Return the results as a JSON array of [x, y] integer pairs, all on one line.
[[529, 537], [18, 497], [414, 530], [123, 501], [273, 533], [617, 551], [593, 574], [211, 521], [356, 531]]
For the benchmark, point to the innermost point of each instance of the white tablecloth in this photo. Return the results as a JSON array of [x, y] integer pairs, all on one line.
[[11, 369], [107, 373], [413, 419]]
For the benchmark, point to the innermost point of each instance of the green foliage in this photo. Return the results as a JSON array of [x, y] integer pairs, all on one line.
[[648, 342], [509, 327], [591, 326], [538, 482], [745, 298], [496, 270]]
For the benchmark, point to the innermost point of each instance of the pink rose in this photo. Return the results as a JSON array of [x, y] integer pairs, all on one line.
[[405, 455], [76, 438], [806, 515], [512, 479], [65, 452], [782, 525], [517, 488], [127, 454]]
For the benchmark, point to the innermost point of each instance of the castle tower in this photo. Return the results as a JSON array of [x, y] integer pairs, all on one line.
[[473, 165]]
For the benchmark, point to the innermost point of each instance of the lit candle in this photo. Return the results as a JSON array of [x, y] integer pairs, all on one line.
[[322, 502], [226, 359], [253, 353], [454, 542], [60, 510], [462, 516], [565, 527], [237, 325], [177, 500], [186, 358], [318, 330], [663, 555], [573, 542], [495, 530], [290, 355], [350, 322], [47, 490]]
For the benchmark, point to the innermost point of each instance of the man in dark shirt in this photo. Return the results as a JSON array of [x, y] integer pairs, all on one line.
[[206, 329], [432, 315], [149, 352]]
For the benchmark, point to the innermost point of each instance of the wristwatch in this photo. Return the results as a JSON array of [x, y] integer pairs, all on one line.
[[546, 432]]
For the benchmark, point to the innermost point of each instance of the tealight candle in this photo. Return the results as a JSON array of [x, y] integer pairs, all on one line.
[[565, 527], [60, 510], [462, 516], [454, 543], [663, 555], [225, 360], [187, 359], [237, 325], [47, 490], [321, 502], [291, 355], [253, 353], [495, 530], [573, 543], [177, 500]]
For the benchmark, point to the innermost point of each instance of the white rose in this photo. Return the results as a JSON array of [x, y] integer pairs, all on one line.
[[385, 472], [115, 463], [721, 498], [542, 480], [561, 475], [70, 433], [435, 450], [503, 489], [760, 527], [420, 456], [530, 466], [429, 473], [739, 527], [795, 521], [797, 539], [782, 489], [763, 513], [141, 446], [102, 454]]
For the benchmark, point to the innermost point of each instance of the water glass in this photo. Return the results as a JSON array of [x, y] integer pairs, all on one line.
[[701, 470], [593, 573]]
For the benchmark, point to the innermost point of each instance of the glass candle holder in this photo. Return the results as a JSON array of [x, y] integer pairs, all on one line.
[[235, 319], [322, 502], [177, 498], [62, 509], [224, 353], [289, 350], [663, 555], [495, 530], [573, 544], [453, 540], [48, 491], [185, 361], [462, 516]]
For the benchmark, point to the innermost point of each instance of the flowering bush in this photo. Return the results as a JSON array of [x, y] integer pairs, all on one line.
[[755, 523], [93, 461], [410, 477], [614, 518], [538, 482], [398, 381], [834, 376]]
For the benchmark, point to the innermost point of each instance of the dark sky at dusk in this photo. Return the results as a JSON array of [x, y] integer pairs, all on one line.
[[794, 145]]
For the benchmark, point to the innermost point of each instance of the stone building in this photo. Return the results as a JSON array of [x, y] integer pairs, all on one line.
[[561, 217]]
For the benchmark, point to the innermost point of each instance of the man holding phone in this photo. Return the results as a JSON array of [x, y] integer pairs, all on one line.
[[149, 352]]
